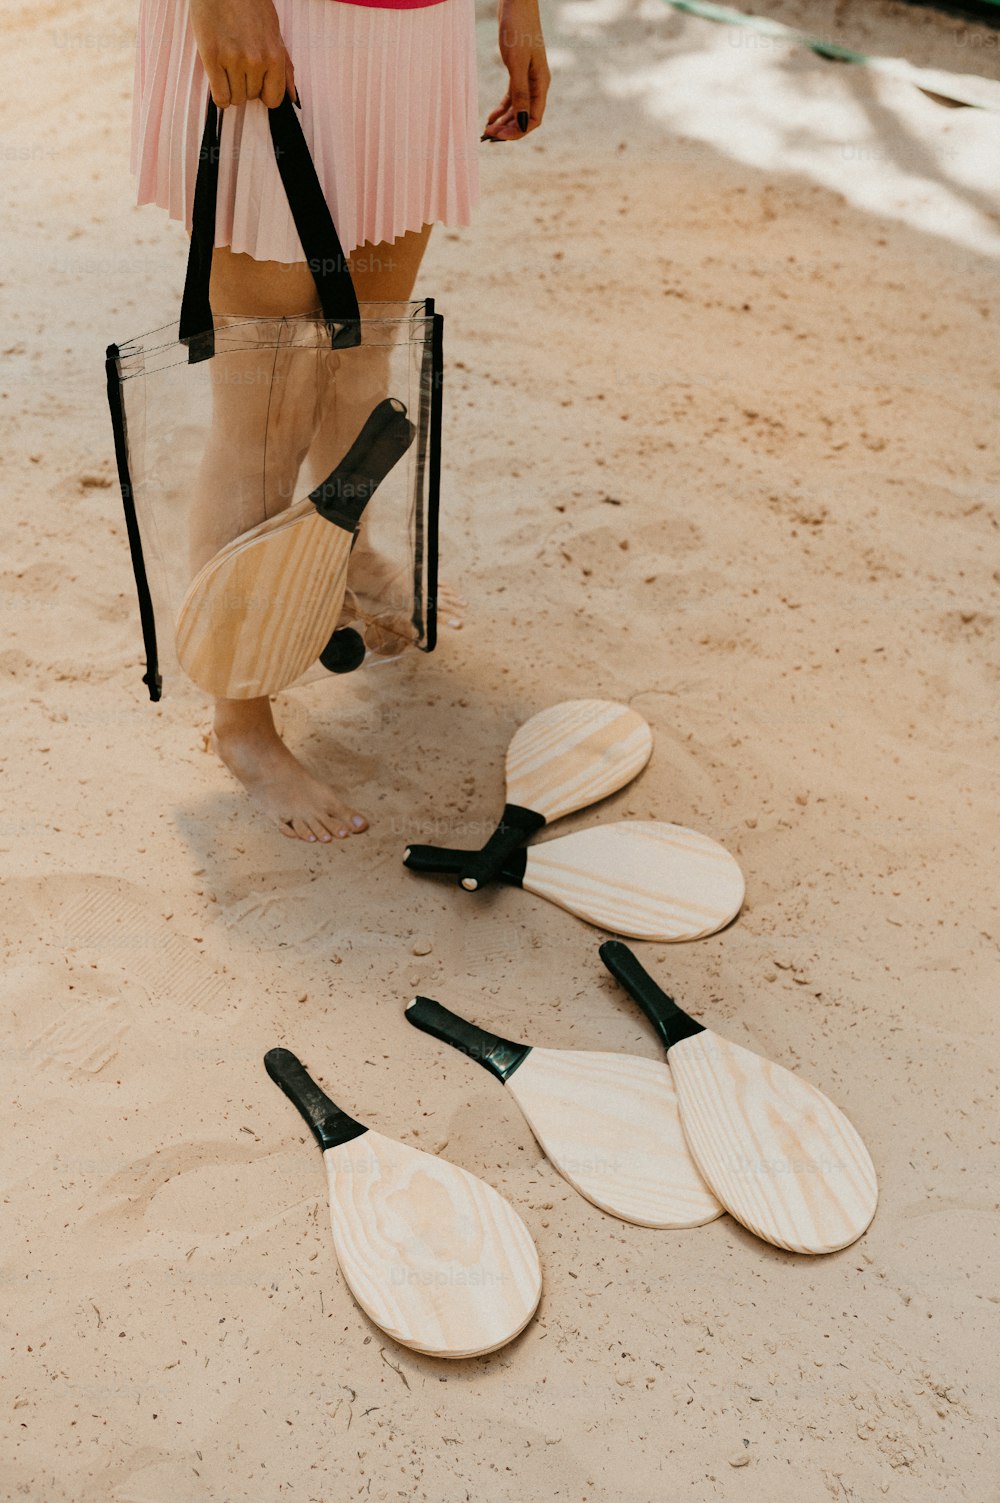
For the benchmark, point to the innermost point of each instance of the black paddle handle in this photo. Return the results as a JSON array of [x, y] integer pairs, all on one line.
[[498, 1055], [316, 230], [670, 1022], [439, 861], [387, 434], [330, 1126], [516, 826]]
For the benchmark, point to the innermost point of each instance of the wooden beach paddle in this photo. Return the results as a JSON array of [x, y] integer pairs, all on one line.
[[608, 1122], [433, 1255], [562, 759], [638, 877], [265, 607], [780, 1157]]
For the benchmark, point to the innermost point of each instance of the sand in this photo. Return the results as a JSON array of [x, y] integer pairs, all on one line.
[[720, 440]]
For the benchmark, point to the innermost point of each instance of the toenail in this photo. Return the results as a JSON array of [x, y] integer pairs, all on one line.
[[343, 833], [356, 821], [326, 835]]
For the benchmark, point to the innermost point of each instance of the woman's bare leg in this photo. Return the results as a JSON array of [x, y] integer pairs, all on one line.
[[378, 575], [302, 806]]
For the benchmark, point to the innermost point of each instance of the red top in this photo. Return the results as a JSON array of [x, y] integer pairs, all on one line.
[[392, 4]]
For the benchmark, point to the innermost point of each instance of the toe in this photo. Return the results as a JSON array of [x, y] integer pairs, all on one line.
[[335, 821], [358, 823], [326, 825], [301, 829]]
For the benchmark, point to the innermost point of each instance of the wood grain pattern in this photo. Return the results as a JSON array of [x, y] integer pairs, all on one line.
[[262, 610], [610, 1124], [781, 1157], [433, 1255], [575, 753], [641, 878]]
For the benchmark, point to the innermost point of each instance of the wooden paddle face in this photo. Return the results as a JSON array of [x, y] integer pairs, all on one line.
[[575, 753], [781, 1157], [262, 610], [611, 1126], [432, 1254], [639, 877]]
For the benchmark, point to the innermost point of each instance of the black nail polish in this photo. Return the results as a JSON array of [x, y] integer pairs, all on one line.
[[522, 119]]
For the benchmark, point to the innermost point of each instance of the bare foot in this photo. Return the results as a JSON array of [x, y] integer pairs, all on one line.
[[450, 607], [302, 807]]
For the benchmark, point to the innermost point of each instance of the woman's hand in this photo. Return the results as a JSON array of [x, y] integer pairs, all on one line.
[[239, 43], [522, 48]]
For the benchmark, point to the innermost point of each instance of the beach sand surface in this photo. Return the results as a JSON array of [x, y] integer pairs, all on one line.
[[719, 441]]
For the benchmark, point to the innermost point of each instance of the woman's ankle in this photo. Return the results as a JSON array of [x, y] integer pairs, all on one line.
[[243, 717]]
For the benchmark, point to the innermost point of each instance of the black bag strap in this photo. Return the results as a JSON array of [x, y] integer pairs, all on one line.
[[316, 230]]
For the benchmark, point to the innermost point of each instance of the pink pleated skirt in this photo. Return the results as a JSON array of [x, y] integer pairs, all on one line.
[[389, 109]]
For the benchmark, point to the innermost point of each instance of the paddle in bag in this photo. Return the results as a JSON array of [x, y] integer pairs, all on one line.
[[280, 475]]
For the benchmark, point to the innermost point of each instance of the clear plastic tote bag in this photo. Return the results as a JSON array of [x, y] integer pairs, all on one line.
[[280, 476]]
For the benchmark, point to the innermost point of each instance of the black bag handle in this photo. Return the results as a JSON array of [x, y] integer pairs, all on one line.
[[316, 230]]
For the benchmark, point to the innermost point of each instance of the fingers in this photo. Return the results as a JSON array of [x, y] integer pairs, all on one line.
[[240, 45], [274, 83], [218, 82], [502, 126], [532, 99], [538, 84], [505, 125], [237, 84], [255, 77], [256, 73], [520, 93], [233, 67], [496, 115], [501, 109], [523, 105]]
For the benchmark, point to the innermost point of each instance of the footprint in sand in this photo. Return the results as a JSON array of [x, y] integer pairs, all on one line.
[[63, 1015], [182, 1195], [100, 921]]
